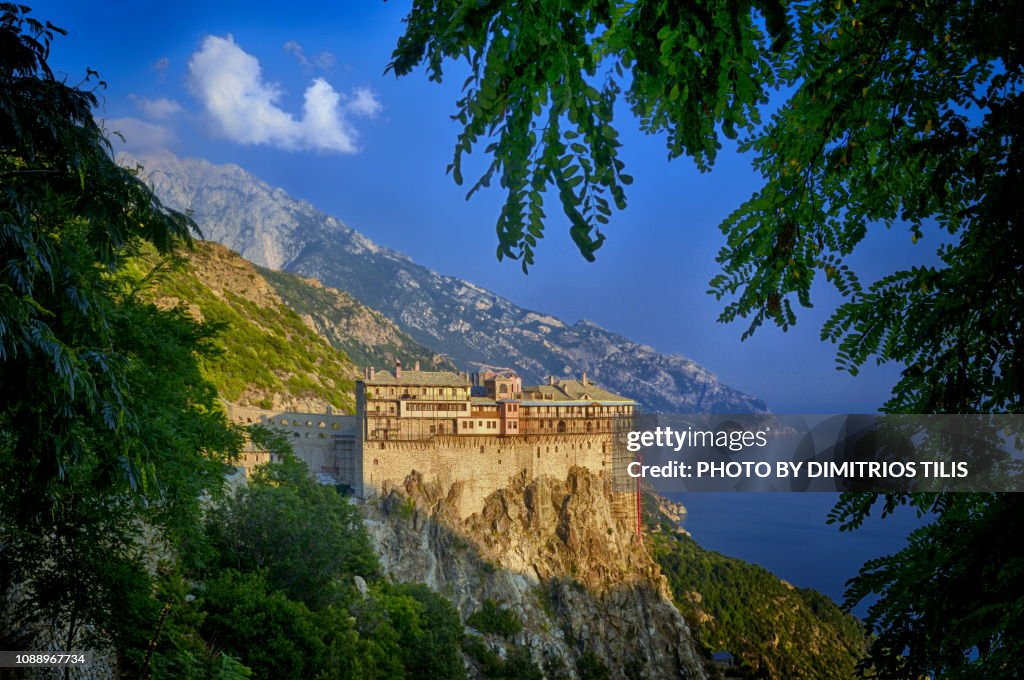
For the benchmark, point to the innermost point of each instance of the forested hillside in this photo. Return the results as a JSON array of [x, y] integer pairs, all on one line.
[[773, 629]]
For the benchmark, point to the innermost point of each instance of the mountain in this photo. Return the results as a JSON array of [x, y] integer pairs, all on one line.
[[286, 342], [453, 317]]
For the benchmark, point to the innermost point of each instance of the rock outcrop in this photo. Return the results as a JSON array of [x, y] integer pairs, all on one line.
[[553, 551]]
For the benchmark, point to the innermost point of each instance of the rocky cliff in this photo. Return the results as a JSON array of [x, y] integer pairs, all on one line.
[[473, 326], [553, 554]]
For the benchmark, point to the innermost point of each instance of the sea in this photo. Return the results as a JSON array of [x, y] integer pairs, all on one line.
[[787, 534]]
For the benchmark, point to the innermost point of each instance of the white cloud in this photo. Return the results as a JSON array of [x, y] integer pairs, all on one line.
[[161, 108], [364, 103], [138, 134], [244, 108], [325, 60]]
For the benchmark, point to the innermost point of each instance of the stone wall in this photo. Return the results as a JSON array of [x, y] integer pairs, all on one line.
[[475, 467], [326, 442]]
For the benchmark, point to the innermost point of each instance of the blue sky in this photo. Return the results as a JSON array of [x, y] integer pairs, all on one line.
[[323, 121]]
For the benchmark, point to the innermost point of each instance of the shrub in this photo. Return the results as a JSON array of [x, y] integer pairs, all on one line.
[[492, 618]]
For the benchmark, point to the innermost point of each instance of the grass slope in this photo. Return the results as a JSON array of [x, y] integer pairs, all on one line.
[[269, 357]]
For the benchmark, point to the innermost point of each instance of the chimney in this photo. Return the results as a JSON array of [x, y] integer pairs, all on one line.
[[551, 380], [416, 366], [398, 369], [373, 372], [583, 379]]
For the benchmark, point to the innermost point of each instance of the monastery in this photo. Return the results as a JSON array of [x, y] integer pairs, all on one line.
[[468, 432]]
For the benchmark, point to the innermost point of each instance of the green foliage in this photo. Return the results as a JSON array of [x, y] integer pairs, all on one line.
[[113, 444], [774, 629], [279, 636], [904, 115], [896, 113], [590, 667], [429, 628], [305, 536], [109, 435], [517, 664], [951, 602], [273, 589], [543, 86], [493, 619]]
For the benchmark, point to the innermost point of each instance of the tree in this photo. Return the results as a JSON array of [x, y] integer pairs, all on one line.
[[896, 113], [951, 603], [109, 435], [306, 536]]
